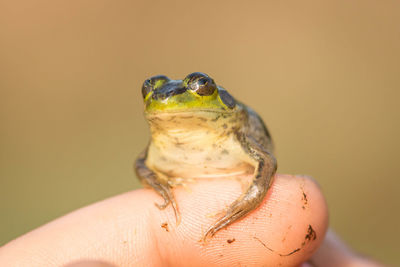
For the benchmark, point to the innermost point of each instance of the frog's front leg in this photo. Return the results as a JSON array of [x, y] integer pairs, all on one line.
[[252, 198], [149, 178]]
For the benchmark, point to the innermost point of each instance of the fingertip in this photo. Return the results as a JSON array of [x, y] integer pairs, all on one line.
[[298, 218], [286, 229]]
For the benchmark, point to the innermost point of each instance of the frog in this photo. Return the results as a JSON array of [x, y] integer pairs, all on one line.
[[200, 131]]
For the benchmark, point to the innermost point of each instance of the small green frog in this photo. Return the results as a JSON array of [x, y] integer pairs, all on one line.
[[198, 130]]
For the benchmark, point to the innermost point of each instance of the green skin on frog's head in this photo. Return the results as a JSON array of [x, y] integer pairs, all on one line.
[[194, 93]]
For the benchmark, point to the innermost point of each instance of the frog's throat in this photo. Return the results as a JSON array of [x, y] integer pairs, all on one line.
[[194, 129]]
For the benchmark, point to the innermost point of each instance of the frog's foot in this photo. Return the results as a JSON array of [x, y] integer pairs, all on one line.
[[236, 211], [158, 182], [166, 192]]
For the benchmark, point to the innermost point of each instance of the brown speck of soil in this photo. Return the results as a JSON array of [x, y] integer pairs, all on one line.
[[231, 240], [305, 198], [311, 234], [165, 226]]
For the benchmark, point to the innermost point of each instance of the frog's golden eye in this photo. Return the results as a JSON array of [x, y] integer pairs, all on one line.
[[200, 83], [153, 83]]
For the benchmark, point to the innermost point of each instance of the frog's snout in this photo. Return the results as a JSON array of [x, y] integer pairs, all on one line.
[[168, 89]]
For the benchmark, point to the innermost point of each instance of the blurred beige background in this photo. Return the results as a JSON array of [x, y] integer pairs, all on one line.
[[324, 75]]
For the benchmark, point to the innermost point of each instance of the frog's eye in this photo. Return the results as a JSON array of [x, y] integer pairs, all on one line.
[[200, 83], [153, 83]]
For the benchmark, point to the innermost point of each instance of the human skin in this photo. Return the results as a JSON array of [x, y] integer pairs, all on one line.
[[129, 230]]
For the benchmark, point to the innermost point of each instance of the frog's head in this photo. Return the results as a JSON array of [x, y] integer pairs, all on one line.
[[196, 92]]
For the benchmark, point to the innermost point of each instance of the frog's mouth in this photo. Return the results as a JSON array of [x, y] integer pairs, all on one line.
[[193, 112], [184, 102]]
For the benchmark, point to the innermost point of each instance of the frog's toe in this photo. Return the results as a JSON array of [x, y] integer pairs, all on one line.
[[166, 193], [235, 212]]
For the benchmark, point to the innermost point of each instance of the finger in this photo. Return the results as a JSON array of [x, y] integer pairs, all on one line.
[[333, 252], [129, 230], [285, 229]]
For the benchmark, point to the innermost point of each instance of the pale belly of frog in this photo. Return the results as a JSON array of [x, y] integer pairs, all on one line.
[[196, 161]]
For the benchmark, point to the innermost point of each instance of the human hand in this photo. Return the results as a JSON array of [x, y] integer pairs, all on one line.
[[128, 230]]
